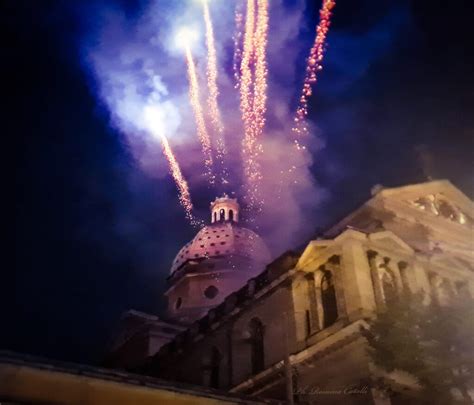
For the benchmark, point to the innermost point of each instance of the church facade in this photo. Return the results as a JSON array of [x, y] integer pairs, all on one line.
[[291, 330]]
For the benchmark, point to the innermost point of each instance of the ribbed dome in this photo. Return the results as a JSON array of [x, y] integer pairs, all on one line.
[[223, 239]]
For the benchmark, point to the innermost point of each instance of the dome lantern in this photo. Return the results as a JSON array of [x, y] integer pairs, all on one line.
[[224, 209]]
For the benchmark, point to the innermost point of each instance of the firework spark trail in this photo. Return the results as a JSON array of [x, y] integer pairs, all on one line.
[[254, 94], [245, 69], [259, 102], [314, 64], [251, 169], [261, 71], [211, 73], [184, 195], [203, 135], [237, 37]]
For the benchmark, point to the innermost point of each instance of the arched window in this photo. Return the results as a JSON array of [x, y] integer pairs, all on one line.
[[231, 215], [222, 214], [215, 363], [257, 347], [389, 286], [328, 299], [215, 216]]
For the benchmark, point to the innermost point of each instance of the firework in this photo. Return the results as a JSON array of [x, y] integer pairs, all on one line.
[[237, 37], [314, 64], [154, 120], [211, 73], [260, 86], [246, 70], [203, 135], [251, 169], [253, 93], [184, 195]]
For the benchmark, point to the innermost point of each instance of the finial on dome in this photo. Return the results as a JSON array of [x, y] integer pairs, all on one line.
[[225, 209]]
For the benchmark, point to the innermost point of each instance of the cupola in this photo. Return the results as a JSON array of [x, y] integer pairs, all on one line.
[[224, 209]]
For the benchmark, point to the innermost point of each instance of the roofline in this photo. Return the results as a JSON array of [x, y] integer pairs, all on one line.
[[441, 182], [337, 228], [156, 320], [385, 192], [41, 363], [140, 314]]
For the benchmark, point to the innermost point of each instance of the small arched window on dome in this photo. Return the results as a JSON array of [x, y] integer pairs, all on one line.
[[231, 215], [328, 299], [257, 345], [222, 214]]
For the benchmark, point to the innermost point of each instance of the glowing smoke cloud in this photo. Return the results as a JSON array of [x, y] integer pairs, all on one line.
[[132, 60], [139, 103], [214, 112], [314, 61]]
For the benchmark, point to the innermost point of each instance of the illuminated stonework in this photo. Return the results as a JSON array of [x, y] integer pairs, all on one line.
[[219, 260], [225, 209], [438, 205], [219, 240], [312, 303]]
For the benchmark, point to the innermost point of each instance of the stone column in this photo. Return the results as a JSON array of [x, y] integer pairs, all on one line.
[[300, 298], [422, 281], [470, 288], [357, 282], [408, 276], [313, 305], [374, 260], [396, 272], [334, 266]]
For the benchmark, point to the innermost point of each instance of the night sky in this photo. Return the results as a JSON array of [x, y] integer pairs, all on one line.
[[95, 234]]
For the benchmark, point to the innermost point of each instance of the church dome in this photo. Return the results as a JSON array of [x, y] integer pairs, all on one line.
[[224, 237]]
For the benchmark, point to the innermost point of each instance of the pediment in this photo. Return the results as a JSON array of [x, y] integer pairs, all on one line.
[[437, 198], [314, 248], [389, 241]]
